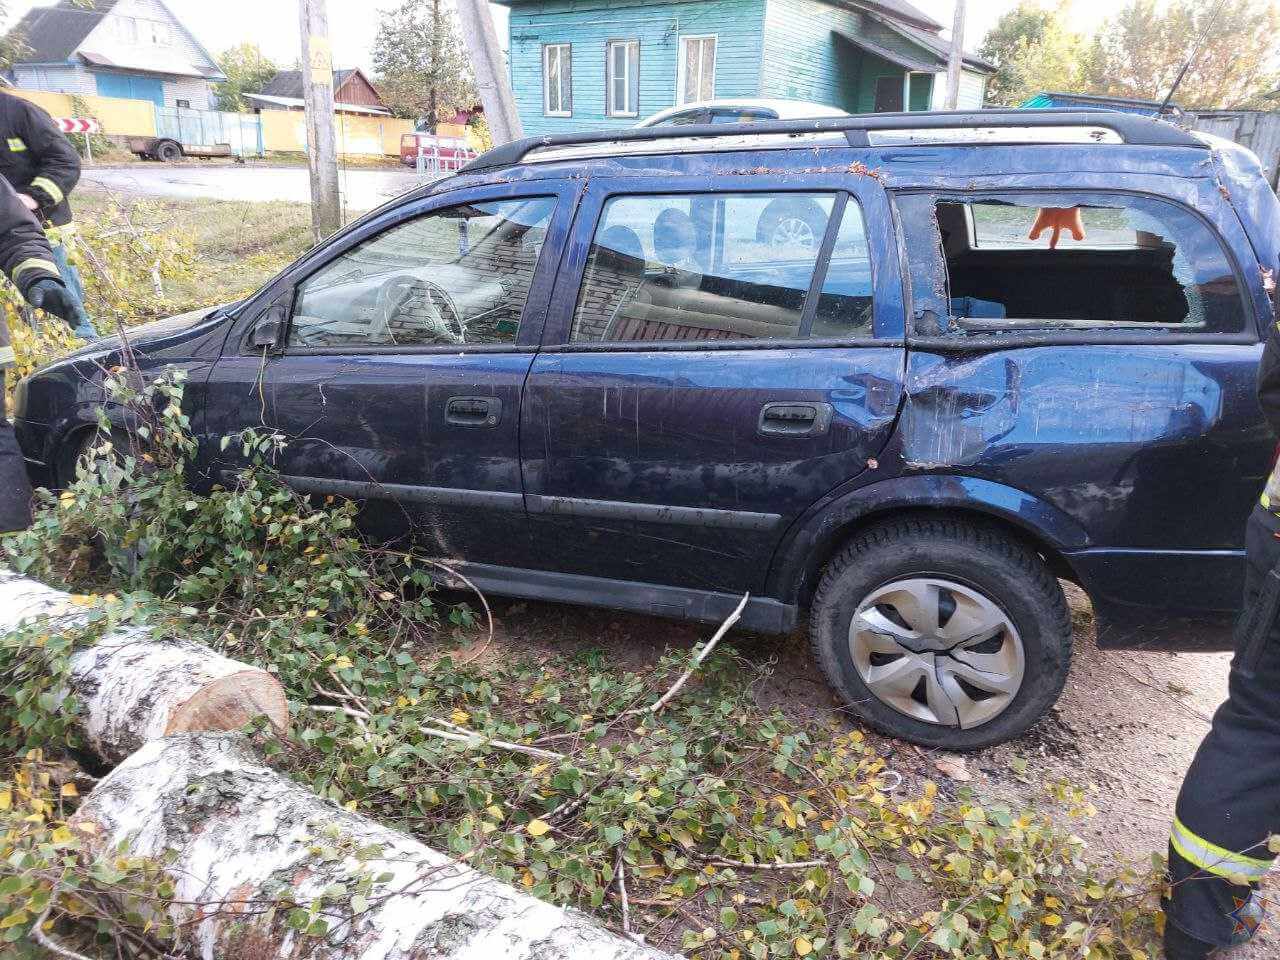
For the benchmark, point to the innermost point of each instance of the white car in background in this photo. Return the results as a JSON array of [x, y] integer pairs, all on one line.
[[786, 223], [745, 110]]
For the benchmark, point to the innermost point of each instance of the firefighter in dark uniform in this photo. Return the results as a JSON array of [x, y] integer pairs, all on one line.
[[1229, 806], [42, 166], [26, 259]]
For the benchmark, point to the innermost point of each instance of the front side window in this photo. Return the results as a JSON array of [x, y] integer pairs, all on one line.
[[1075, 261], [623, 77], [697, 69], [455, 276], [734, 266], [557, 80]]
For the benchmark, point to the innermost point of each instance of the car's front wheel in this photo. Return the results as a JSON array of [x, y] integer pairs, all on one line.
[[941, 632]]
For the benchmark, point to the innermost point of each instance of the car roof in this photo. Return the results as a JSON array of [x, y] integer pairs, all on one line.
[[1084, 130], [785, 109]]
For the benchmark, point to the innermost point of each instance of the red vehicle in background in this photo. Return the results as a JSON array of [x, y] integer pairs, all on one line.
[[438, 154]]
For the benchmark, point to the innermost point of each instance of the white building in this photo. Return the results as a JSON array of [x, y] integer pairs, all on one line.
[[115, 48]]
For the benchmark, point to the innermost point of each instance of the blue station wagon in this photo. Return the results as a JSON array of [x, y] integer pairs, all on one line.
[[900, 374]]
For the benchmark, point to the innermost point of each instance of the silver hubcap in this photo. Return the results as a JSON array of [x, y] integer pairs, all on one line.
[[937, 651], [793, 232]]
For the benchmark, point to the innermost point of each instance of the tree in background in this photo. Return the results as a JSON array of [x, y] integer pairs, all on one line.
[[1139, 52], [1033, 50], [421, 64], [13, 44], [247, 70]]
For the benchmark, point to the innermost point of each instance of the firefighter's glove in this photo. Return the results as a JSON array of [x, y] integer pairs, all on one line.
[[52, 296]]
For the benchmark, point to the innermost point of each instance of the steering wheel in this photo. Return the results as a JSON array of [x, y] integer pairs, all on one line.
[[436, 318]]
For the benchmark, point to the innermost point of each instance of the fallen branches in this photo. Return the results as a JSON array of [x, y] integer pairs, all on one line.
[[697, 661]]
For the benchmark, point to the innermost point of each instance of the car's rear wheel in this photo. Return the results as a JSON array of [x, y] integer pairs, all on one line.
[[941, 632]]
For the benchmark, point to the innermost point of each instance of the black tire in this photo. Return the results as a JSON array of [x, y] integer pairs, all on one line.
[[801, 216], [85, 442], [977, 557], [168, 151]]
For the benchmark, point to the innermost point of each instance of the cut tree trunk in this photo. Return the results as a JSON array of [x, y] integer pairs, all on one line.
[[238, 838], [133, 687]]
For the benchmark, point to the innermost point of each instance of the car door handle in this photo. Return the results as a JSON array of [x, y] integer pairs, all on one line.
[[473, 411], [796, 419]]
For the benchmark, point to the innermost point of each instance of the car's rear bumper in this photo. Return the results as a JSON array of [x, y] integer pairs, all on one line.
[[1172, 599]]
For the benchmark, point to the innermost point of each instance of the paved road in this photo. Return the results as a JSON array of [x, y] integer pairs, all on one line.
[[361, 189]]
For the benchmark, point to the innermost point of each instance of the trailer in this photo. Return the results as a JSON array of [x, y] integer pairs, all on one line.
[[167, 149]]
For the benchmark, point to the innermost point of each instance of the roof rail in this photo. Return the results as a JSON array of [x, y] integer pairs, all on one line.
[[1131, 128]]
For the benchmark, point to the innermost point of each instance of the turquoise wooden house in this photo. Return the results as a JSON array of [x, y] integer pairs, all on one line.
[[591, 64]]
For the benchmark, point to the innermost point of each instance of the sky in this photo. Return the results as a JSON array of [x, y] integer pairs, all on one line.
[[273, 24]]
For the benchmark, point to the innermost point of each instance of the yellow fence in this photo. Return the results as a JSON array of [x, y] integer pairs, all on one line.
[[286, 130], [282, 130], [119, 117]]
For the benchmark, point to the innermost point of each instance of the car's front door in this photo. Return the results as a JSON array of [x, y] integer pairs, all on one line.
[[708, 372], [399, 378]]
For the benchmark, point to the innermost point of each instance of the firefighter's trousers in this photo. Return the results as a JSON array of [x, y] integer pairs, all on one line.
[[15, 488], [1229, 804]]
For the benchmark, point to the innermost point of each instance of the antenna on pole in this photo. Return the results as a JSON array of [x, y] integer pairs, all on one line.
[[1191, 57]]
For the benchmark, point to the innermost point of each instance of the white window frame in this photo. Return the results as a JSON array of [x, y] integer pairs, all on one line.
[[632, 61], [563, 51], [680, 66]]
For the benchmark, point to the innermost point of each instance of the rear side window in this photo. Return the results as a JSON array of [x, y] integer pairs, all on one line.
[[1068, 261], [734, 266]]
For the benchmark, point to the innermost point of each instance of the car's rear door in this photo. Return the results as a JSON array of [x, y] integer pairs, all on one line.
[[400, 376], [1108, 370], [707, 375]]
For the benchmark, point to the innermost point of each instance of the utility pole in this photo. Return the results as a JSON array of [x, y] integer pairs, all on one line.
[[433, 98], [317, 96], [956, 59], [490, 69]]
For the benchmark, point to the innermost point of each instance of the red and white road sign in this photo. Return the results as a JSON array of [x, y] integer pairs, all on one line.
[[78, 124]]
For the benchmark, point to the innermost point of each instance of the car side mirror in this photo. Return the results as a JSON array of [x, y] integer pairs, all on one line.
[[268, 330]]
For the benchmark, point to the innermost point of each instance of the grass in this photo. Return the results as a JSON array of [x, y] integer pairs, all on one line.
[[235, 247]]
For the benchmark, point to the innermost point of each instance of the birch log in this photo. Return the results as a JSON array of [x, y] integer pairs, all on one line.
[[237, 837], [134, 687]]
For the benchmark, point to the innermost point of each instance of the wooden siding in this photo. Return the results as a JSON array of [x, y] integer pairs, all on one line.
[[804, 59], [588, 25], [55, 79], [357, 90], [109, 39]]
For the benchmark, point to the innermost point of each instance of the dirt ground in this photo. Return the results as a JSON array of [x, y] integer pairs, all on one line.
[[1126, 727]]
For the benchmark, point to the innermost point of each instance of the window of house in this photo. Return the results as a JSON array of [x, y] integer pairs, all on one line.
[[182, 104], [697, 73], [736, 266], [127, 29], [557, 80], [455, 276], [622, 66], [1074, 261]]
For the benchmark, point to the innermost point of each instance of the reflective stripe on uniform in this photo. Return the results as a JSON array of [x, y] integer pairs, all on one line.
[[48, 186], [1215, 859], [34, 263], [16, 145], [1265, 501]]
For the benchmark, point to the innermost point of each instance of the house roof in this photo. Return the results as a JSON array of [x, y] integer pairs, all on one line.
[[934, 44], [297, 103], [55, 35], [896, 57], [901, 10], [52, 34], [288, 83]]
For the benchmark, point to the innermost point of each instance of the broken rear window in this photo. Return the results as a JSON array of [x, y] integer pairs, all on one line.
[[1069, 261]]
